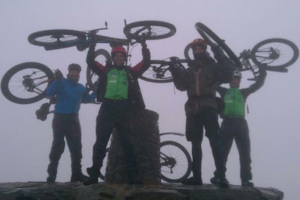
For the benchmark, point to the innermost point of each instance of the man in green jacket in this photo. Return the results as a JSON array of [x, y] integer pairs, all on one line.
[[234, 125]]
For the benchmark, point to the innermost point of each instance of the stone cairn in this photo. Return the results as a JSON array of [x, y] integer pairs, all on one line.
[[146, 141]]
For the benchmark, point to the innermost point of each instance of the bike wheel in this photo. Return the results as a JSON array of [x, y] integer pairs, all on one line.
[[102, 56], [276, 53], [57, 38], [26, 83], [176, 163], [158, 72], [210, 36], [151, 30]]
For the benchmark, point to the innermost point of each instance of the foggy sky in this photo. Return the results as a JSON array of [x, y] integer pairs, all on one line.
[[274, 110]]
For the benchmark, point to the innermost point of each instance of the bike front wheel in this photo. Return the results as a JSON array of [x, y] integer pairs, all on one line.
[[103, 57], [26, 83], [275, 53], [209, 36], [149, 30], [175, 160], [57, 38]]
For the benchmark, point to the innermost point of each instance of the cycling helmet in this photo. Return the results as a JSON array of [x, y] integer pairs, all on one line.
[[237, 74], [118, 49], [199, 42], [74, 66]]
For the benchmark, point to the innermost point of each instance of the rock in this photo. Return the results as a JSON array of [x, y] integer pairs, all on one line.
[[101, 191], [145, 138]]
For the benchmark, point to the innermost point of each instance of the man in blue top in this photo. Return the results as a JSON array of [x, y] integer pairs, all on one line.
[[69, 94]]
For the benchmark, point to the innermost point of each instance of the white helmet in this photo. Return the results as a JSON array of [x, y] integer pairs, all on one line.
[[237, 73]]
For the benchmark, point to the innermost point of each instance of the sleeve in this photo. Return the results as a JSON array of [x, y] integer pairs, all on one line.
[[180, 76], [54, 88], [222, 91], [92, 64], [258, 84], [88, 98], [224, 72]]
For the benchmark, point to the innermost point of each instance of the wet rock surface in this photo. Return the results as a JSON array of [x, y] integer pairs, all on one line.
[[101, 191]]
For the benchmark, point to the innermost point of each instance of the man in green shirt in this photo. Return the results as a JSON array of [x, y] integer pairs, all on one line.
[[234, 125], [120, 94]]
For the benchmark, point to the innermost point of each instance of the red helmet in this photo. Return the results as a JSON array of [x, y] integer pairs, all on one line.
[[199, 42], [118, 49]]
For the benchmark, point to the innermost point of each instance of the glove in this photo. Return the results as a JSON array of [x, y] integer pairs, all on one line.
[[42, 113], [58, 75], [146, 54]]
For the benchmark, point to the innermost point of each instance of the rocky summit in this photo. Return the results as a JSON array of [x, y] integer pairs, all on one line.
[[101, 191]]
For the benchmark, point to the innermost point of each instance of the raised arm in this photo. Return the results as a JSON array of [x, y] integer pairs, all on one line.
[[92, 64], [142, 66], [258, 83]]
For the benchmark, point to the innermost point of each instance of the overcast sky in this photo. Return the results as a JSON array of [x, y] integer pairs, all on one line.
[[274, 110]]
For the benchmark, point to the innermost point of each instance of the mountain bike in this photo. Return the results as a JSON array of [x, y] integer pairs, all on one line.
[[175, 161], [26, 82], [136, 32], [274, 54]]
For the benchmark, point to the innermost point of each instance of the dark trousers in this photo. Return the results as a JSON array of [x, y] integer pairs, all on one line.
[[114, 114], [207, 119], [237, 129], [65, 126]]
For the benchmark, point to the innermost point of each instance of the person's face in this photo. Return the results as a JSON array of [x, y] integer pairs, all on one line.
[[74, 75], [235, 83], [198, 50], [119, 59]]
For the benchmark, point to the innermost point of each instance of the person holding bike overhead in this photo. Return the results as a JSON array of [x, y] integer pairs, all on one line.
[[201, 80], [120, 94], [68, 94], [234, 125]]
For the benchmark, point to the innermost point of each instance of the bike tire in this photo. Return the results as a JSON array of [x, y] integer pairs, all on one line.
[[152, 30], [57, 38], [13, 82], [102, 56], [209, 35], [186, 166], [287, 51], [157, 72]]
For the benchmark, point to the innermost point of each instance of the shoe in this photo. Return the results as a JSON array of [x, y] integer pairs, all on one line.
[[78, 177], [221, 182], [192, 181], [247, 184], [90, 180], [51, 179]]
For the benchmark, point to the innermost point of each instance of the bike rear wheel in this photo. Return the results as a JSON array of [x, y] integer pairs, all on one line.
[[57, 38], [151, 30], [275, 53], [158, 72], [176, 163], [102, 56], [26, 83], [209, 36]]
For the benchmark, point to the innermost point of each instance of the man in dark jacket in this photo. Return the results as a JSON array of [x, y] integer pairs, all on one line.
[[120, 95], [69, 94], [201, 80], [234, 125]]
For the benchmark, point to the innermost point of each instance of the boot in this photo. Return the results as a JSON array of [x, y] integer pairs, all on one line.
[[78, 177], [192, 181], [221, 182], [247, 184], [94, 174], [51, 179]]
